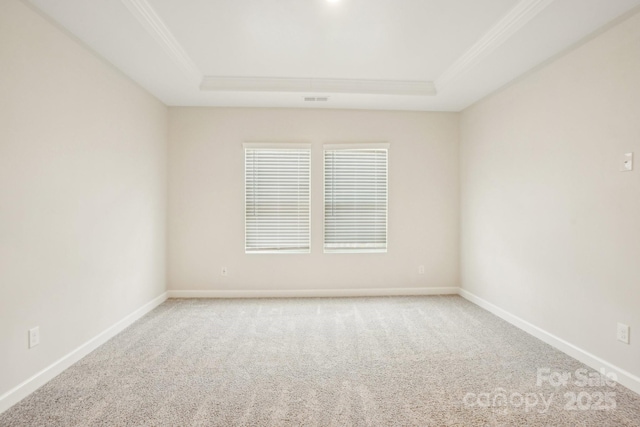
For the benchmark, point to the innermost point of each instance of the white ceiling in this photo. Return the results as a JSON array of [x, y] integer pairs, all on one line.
[[368, 54]]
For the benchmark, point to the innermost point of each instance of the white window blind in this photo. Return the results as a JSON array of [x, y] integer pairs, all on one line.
[[277, 200], [355, 198]]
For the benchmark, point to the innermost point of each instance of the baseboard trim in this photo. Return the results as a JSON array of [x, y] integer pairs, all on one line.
[[625, 378], [27, 387], [311, 293]]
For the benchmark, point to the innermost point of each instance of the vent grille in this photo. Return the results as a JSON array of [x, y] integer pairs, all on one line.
[[316, 98]]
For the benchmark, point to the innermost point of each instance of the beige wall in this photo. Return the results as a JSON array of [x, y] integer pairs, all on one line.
[[206, 200], [550, 227], [82, 194]]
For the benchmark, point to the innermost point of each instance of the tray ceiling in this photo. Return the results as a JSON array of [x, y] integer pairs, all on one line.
[[441, 55]]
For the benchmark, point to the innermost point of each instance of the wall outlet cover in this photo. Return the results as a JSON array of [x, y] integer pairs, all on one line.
[[626, 162], [34, 336], [623, 333]]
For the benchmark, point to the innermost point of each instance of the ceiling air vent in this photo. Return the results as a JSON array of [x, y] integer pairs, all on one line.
[[316, 98]]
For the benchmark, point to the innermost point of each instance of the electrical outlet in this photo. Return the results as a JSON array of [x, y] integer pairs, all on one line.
[[623, 333], [421, 269], [224, 271], [626, 162], [34, 336]]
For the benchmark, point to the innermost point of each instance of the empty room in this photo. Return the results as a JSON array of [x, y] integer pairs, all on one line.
[[320, 213]]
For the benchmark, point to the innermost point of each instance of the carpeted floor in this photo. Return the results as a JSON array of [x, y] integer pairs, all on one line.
[[392, 361]]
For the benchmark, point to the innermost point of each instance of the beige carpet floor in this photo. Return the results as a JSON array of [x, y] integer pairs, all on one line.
[[391, 361]]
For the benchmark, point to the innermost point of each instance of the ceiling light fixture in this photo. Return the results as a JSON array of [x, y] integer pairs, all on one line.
[[333, 1]]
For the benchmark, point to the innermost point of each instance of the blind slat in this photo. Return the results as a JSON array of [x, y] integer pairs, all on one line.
[[277, 200], [355, 200]]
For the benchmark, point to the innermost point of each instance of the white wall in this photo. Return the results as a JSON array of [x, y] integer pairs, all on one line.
[[550, 227], [82, 194], [206, 200]]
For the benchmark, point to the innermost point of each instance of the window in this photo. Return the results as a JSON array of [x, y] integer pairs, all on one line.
[[355, 197], [277, 198]]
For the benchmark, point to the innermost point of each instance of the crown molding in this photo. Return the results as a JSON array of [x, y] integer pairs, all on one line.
[[151, 21], [310, 85], [510, 24]]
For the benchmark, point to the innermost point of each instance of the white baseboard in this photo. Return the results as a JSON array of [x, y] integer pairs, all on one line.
[[625, 378], [310, 293], [27, 387]]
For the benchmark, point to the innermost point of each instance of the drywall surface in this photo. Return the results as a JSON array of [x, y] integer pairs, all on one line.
[[206, 200], [550, 226], [82, 194]]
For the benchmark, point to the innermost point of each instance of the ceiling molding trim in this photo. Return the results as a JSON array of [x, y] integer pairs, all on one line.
[[510, 24], [152, 22], [310, 85]]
